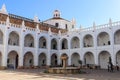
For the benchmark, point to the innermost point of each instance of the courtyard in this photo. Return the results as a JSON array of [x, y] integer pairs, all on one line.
[[37, 74]]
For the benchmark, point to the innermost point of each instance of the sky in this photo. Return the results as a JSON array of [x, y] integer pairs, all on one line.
[[85, 12]]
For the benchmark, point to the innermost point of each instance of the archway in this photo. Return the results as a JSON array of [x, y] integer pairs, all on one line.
[[0, 59], [118, 57], [75, 57], [117, 37], [103, 39], [75, 43], [64, 44], [29, 41], [88, 41], [13, 39], [54, 44], [89, 59], [64, 54], [1, 37], [28, 59], [12, 61], [54, 60], [104, 57], [42, 42], [42, 59]]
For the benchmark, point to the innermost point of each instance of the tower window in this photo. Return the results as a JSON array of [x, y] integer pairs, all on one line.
[[72, 26], [66, 27], [56, 24]]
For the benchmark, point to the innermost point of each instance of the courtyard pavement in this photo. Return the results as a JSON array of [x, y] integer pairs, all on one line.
[[37, 74]]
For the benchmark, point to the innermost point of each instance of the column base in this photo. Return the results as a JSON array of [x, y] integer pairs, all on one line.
[[20, 67], [3, 67], [36, 67]]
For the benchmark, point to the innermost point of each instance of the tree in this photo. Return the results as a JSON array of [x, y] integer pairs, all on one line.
[[80, 62]]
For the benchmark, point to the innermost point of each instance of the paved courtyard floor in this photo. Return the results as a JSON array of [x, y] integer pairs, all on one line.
[[37, 74]]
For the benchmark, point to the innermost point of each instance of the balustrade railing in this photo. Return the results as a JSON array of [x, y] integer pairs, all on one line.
[[31, 29]]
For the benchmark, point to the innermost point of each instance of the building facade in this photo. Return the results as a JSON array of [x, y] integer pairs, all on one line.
[[28, 43]]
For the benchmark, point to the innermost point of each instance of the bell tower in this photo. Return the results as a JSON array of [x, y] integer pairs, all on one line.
[[56, 14]]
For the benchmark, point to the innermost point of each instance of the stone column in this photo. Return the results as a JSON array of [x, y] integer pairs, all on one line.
[[5, 39], [69, 60], [21, 55], [96, 59], [69, 52], [48, 49], [4, 54], [64, 63], [59, 48], [36, 47]]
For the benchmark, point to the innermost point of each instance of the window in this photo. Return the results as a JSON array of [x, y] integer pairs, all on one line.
[[56, 24], [44, 43], [72, 26], [66, 26]]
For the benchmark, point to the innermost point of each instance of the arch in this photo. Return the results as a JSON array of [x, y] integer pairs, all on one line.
[[42, 42], [0, 59], [117, 37], [103, 59], [88, 40], [13, 59], [103, 39], [75, 42], [118, 57], [54, 44], [89, 58], [64, 44], [1, 37], [28, 59], [13, 38], [75, 57], [64, 54], [29, 41], [54, 61], [42, 60]]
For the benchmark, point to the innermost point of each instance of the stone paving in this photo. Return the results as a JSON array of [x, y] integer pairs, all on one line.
[[37, 74]]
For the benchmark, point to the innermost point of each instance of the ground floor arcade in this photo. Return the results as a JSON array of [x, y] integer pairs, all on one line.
[[29, 60]]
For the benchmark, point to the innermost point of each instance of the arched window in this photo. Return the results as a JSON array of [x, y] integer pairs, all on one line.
[[103, 39], [13, 39], [66, 26], [75, 43], [29, 41], [42, 42], [54, 44], [88, 41], [56, 24], [64, 44]]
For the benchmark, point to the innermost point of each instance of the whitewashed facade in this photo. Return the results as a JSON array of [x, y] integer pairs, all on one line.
[[23, 46]]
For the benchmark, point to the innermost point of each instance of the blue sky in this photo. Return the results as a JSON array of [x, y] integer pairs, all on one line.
[[84, 11]]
